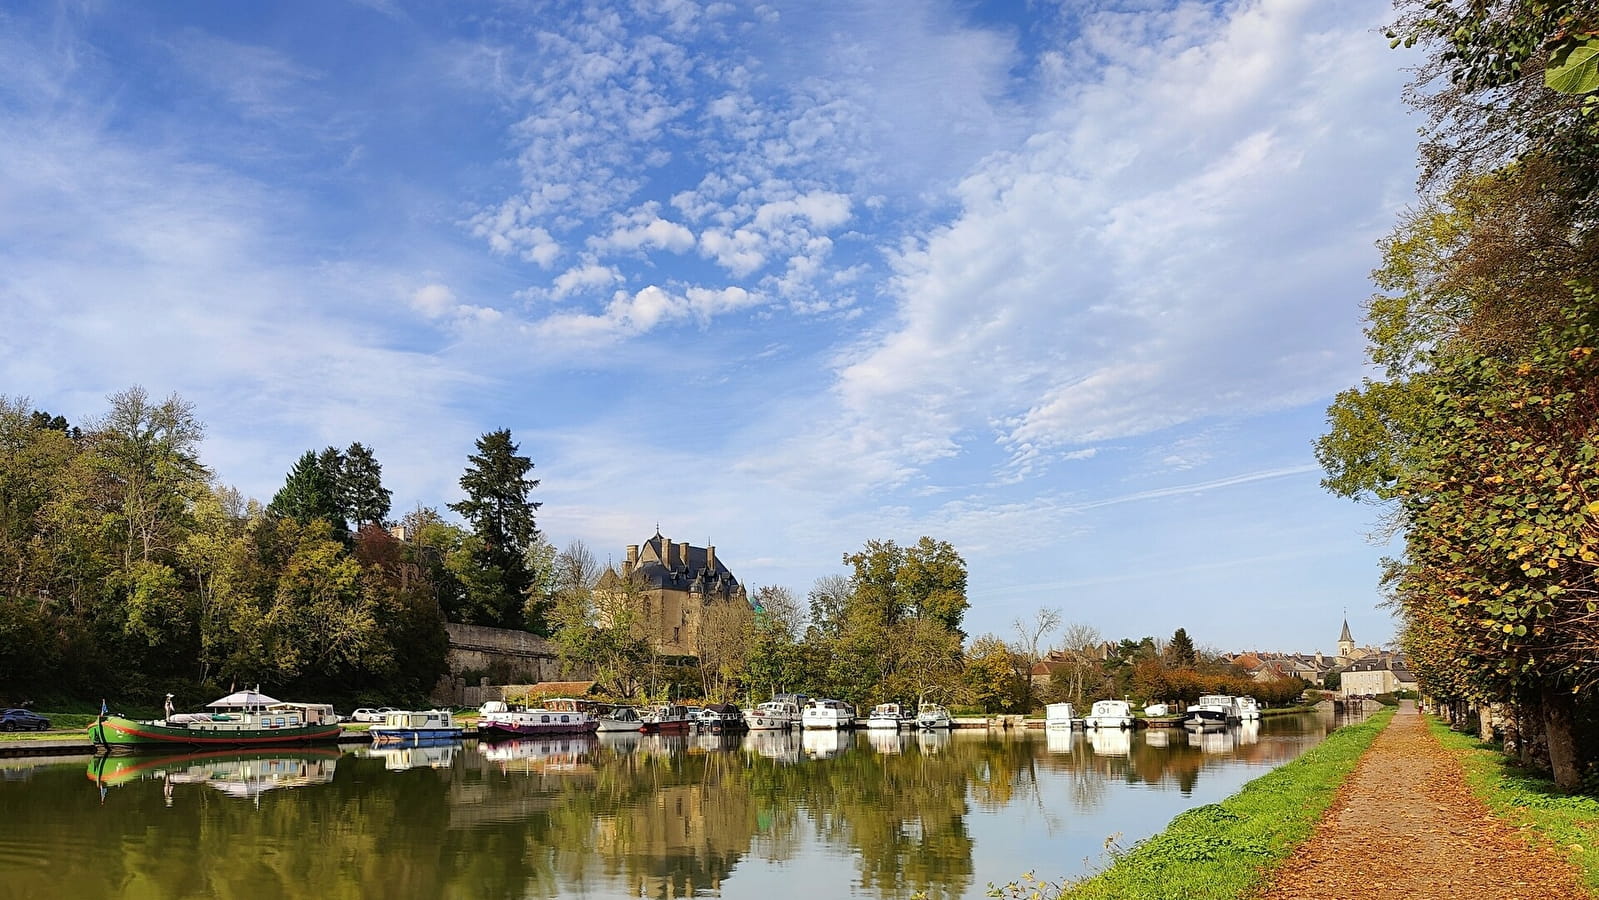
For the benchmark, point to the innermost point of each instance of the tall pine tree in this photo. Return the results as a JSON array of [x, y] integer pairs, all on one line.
[[308, 494], [361, 492], [497, 505]]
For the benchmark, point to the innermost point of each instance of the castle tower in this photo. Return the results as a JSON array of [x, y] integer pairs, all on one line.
[[1346, 644]]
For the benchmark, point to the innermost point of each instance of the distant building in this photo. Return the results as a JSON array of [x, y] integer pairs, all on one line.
[[672, 587], [1382, 672]]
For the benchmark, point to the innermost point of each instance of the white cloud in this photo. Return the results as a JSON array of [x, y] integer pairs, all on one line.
[[1182, 242], [433, 300], [580, 279]]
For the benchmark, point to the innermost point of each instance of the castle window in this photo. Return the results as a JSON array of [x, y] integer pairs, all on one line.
[[677, 634]]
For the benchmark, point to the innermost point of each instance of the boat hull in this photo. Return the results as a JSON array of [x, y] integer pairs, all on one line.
[[414, 736], [533, 729], [117, 732]]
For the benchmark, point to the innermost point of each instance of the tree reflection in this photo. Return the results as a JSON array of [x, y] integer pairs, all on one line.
[[651, 816]]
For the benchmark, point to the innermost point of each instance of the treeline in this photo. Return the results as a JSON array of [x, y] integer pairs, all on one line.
[[1084, 668], [891, 630], [1482, 434], [126, 570]]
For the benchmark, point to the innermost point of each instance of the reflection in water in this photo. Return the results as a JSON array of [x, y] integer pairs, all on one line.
[[1111, 742], [1249, 732], [1159, 737], [882, 815], [242, 774], [424, 756]]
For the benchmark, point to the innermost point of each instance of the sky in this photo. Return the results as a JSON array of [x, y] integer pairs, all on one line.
[[1069, 285]]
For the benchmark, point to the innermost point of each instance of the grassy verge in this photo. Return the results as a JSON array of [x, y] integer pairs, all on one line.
[[1227, 849], [1529, 801]]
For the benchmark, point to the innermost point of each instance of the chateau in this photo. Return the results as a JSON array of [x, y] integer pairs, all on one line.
[[671, 587]]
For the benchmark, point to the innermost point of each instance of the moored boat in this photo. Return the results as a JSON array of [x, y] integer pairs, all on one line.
[[773, 715], [933, 717], [1212, 712], [1058, 716], [406, 726], [241, 719], [668, 718], [558, 715], [827, 715], [722, 718], [1248, 709], [886, 716], [621, 718], [1109, 714]]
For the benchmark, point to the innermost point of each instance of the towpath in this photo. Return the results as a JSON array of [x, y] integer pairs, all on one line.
[[1405, 824]]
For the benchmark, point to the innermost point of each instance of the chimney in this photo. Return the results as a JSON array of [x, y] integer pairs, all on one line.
[[682, 554], [710, 559], [666, 552]]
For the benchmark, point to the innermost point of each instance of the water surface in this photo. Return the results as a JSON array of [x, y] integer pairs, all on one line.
[[766, 815]]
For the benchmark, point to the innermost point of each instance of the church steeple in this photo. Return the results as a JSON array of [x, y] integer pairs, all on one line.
[[1346, 644]]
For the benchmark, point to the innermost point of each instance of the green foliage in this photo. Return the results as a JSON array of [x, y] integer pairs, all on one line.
[[1574, 66], [495, 570], [362, 496], [311, 492]]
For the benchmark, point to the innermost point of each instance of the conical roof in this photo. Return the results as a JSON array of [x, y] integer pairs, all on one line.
[[1345, 636], [242, 700]]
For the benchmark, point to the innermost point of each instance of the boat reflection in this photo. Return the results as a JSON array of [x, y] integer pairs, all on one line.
[[1111, 741], [544, 756], [1249, 732], [621, 741], [1060, 740], [825, 743], [242, 774], [425, 756], [783, 746], [1158, 737], [884, 741], [1214, 741], [930, 742]]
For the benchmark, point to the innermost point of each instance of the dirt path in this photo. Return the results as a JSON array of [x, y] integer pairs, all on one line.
[[1405, 825]]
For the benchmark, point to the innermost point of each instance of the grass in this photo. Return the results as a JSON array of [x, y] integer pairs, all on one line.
[[1226, 850], [1529, 801]]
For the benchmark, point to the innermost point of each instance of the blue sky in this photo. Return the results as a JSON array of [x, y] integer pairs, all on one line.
[[1068, 285]]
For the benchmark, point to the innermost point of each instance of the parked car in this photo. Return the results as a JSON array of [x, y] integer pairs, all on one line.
[[23, 720], [367, 714]]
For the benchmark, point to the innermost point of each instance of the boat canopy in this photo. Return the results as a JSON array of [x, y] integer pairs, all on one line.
[[243, 700]]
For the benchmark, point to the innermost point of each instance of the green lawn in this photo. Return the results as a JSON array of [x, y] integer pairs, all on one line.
[[1226, 850], [1529, 801]]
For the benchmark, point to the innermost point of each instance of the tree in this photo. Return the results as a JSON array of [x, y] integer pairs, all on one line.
[[362, 495], [309, 494], [1030, 635], [828, 598], [1181, 650], [147, 454], [502, 517], [991, 679]]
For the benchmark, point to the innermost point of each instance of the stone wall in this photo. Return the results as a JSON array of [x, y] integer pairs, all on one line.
[[506, 655]]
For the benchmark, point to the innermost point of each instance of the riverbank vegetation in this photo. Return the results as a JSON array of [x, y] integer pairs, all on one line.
[[1225, 850], [128, 570], [1530, 801], [1481, 438]]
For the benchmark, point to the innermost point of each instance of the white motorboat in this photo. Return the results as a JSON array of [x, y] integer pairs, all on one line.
[[1157, 710], [1248, 709], [1213, 712], [1109, 714], [558, 715], [415, 727], [886, 716], [833, 715], [1058, 716], [773, 715], [621, 718], [933, 717], [722, 718]]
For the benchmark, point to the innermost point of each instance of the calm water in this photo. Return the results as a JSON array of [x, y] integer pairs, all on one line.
[[767, 815]]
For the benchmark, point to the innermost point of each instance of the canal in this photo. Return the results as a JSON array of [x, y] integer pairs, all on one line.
[[766, 815]]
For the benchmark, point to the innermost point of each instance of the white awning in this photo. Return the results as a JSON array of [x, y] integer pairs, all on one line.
[[242, 700]]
